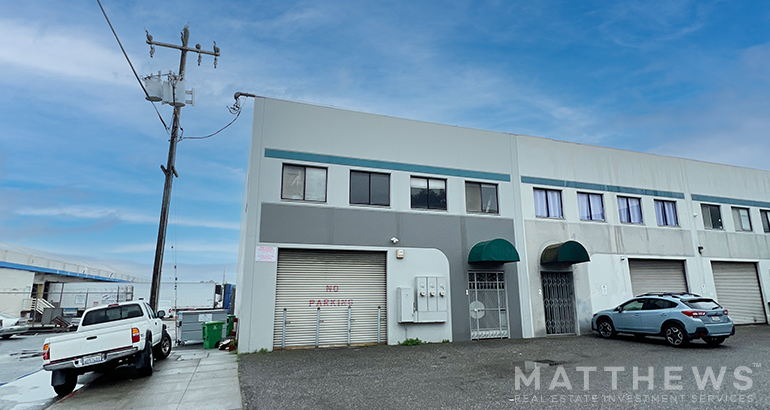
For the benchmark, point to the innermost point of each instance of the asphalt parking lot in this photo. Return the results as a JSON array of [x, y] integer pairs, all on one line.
[[482, 375]]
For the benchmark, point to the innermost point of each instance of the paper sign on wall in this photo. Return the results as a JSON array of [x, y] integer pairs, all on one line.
[[205, 317], [267, 254]]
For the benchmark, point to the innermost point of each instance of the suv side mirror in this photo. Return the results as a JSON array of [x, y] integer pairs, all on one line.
[[161, 314]]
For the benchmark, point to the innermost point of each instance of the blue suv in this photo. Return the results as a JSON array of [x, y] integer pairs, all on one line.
[[678, 317]]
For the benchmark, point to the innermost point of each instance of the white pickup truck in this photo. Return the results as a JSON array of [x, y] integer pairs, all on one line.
[[127, 333]]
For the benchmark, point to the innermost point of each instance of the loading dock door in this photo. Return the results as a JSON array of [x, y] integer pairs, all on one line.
[[320, 289], [654, 275], [738, 291]]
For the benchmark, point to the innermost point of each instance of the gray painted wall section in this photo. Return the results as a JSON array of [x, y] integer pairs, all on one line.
[[452, 234]]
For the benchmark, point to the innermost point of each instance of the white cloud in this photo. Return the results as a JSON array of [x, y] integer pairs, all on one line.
[[95, 212], [67, 51], [221, 249]]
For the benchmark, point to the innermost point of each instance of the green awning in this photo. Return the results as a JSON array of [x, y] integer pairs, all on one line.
[[496, 250], [565, 253]]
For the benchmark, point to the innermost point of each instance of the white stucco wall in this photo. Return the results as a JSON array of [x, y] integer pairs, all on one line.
[[289, 126], [258, 305]]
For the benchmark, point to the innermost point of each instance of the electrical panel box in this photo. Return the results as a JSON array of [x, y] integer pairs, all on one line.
[[405, 301], [432, 299]]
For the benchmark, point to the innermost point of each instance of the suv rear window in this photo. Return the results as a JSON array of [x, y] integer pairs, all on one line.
[[705, 304], [111, 314]]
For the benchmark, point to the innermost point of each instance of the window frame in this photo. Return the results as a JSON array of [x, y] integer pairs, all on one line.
[[428, 204], [709, 207], [547, 208], [764, 217], [304, 183], [628, 207], [738, 223], [481, 194], [663, 215], [590, 213], [369, 173]]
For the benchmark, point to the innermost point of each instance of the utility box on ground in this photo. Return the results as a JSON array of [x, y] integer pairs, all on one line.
[[190, 324]]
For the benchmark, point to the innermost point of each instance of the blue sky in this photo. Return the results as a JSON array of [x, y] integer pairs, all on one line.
[[80, 148]]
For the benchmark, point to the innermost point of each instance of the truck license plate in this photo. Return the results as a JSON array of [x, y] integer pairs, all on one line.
[[96, 358]]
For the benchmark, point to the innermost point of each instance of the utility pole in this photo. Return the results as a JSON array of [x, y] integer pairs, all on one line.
[[170, 170]]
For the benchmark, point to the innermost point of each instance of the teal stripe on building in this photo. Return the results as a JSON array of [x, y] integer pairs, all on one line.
[[601, 187], [730, 201], [393, 166]]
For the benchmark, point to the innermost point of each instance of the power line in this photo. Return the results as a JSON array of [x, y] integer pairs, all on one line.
[[235, 109], [132, 66]]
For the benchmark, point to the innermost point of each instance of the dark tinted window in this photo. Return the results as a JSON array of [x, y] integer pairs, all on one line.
[[111, 314], [656, 304], [635, 304], [428, 193], [705, 304], [369, 188]]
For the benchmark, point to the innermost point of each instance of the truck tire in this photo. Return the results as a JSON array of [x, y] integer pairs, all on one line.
[[70, 381], [145, 361], [163, 349]]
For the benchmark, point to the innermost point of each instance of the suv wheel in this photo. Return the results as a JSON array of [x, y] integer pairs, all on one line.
[[675, 335], [714, 341], [606, 330]]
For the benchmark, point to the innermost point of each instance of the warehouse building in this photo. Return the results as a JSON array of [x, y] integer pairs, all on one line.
[[26, 276], [360, 228]]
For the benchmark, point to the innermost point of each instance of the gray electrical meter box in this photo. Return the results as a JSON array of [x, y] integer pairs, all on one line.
[[432, 296], [405, 301]]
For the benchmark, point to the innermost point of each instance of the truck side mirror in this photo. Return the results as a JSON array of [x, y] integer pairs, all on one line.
[[161, 313]]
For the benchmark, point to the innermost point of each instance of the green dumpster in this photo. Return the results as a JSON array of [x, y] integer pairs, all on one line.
[[229, 325], [212, 333]]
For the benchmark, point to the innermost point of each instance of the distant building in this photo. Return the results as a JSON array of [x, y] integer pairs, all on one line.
[[358, 228], [26, 275]]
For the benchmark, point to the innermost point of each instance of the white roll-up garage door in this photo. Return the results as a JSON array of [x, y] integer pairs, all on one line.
[[655, 275], [738, 291], [337, 284]]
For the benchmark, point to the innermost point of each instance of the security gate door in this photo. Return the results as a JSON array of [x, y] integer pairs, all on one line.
[[488, 305], [559, 302]]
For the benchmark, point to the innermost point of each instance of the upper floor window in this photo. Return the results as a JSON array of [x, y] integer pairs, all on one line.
[[548, 203], [630, 210], [665, 213], [428, 193], [303, 183], [765, 216], [712, 216], [742, 219], [481, 197], [591, 207], [369, 188]]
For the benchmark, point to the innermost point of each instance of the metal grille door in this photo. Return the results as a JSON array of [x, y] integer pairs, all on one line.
[[488, 305], [329, 298], [738, 291], [559, 302]]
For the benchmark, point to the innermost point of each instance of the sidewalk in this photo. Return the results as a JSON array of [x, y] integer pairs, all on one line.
[[191, 378]]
